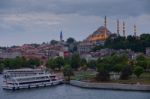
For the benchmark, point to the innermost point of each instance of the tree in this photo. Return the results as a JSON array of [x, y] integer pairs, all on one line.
[[83, 62], [118, 67], [67, 60], [148, 63], [15, 63], [67, 71], [131, 42], [32, 63], [138, 71], [56, 63], [59, 62], [50, 64], [54, 42], [72, 44], [70, 40], [103, 72], [75, 61], [7, 63], [114, 60], [126, 72], [141, 58], [2, 66], [142, 61], [92, 64]]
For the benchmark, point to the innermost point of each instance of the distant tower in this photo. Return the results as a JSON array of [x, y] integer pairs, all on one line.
[[124, 29], [105, 25], [118, 28], [61, 36], [135, 30]]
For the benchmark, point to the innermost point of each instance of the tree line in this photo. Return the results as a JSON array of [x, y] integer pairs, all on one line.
[[137, 44], [18, 62], [123, 65], [116, 63]]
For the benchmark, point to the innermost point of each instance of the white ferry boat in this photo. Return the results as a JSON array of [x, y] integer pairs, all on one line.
[[36, 79]]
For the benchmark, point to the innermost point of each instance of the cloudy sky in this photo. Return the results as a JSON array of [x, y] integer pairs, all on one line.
[[37, 21]]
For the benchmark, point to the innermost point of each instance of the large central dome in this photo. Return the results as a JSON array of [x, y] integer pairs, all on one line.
[[101, 34]]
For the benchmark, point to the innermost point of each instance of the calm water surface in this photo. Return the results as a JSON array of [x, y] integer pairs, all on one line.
[[70, 92]]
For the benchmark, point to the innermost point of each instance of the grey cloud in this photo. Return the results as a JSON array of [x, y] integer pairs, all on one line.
[[84, 7]]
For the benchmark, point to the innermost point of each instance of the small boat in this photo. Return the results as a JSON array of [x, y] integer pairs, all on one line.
[[30, 78]]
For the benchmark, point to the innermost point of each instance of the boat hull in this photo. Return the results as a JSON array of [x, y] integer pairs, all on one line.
[[28, 86]]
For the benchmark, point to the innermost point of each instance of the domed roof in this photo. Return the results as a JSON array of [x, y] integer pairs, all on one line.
[[100, 31]]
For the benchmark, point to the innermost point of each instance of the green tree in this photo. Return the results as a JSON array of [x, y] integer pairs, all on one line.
[[83, 62], [70, 40], [138, 71], [7, 63], [92, 64], [118, 67], [141, 58], [115, 63], [59, 62], [126, 72], [67, 71], [13, 63], [131, 42], [33, 63], [75, 61], [51, 64], [72, 44], [103, 72], [67, 60], [148, 63], [142, 61], [53, 42], [2, 66]]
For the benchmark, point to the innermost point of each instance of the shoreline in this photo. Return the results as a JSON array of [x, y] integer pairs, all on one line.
[[110, 86]]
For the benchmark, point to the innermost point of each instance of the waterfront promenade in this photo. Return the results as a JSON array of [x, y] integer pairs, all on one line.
[[111, 86]]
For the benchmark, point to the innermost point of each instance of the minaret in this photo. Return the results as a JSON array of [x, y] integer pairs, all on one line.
[[135, 30], [118, 28], [105, 25], [105, 22], [124, 29], [61, 36]]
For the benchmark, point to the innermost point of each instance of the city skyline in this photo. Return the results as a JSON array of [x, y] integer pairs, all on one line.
[[35, 21]]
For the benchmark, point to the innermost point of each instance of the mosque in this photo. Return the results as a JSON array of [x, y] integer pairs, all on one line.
[[99, 36]]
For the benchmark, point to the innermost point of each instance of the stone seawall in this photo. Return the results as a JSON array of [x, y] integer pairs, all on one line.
[[112, 86]]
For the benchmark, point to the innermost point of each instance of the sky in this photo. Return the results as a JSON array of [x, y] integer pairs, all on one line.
[[37, 21]]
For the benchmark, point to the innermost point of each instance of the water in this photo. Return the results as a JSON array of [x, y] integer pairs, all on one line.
[[70, 92]]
